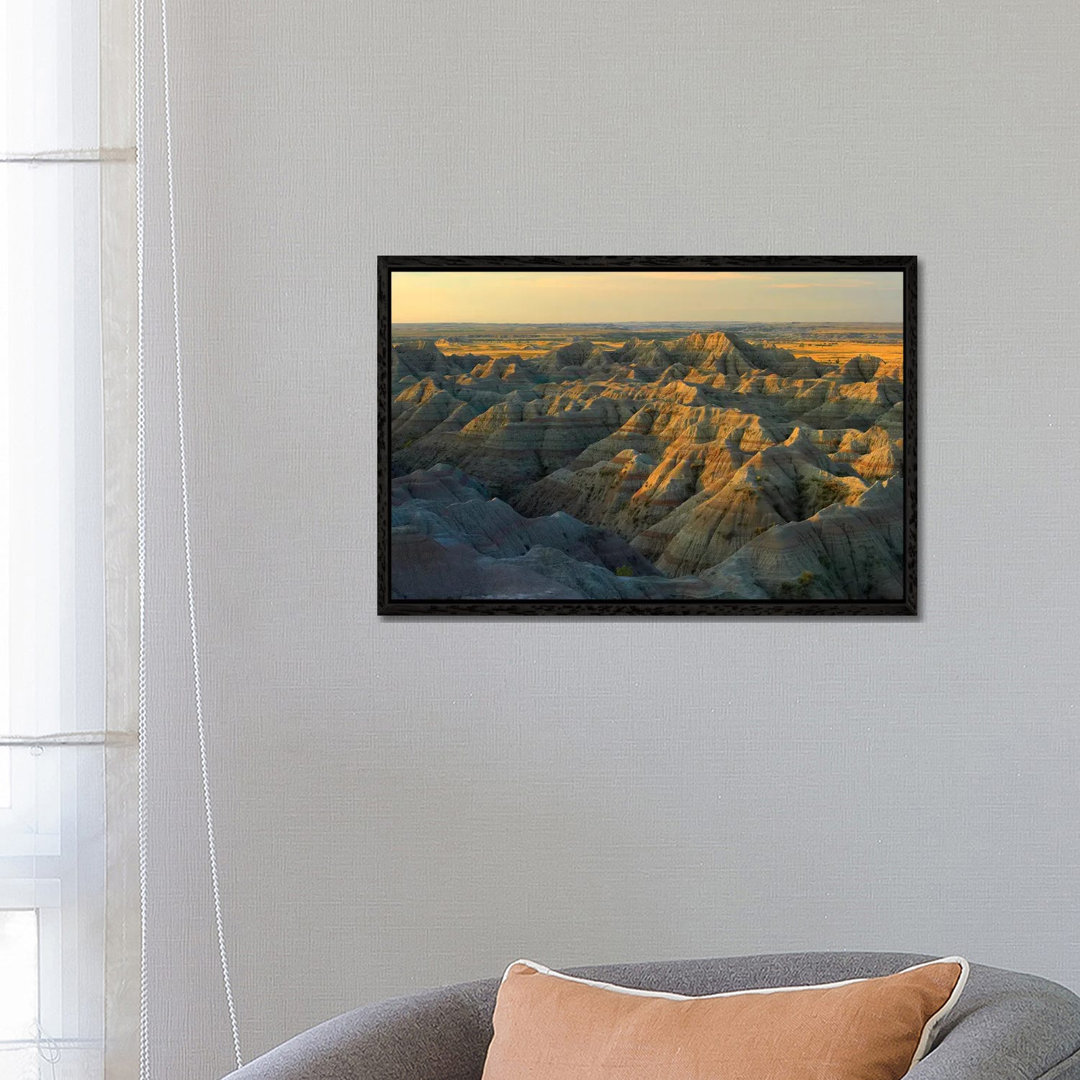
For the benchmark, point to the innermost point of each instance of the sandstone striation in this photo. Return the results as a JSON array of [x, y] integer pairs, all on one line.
[[850, 551], [449, 539]]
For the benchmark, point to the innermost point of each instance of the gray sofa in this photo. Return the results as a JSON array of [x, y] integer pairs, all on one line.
[[1006, 1026]]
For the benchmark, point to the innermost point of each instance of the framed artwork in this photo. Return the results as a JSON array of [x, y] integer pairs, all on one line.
[[643, 436]]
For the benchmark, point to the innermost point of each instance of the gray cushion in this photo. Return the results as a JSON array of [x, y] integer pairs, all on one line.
[[1006, 1026]]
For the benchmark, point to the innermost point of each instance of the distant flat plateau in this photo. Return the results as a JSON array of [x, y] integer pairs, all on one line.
[[826, 342]]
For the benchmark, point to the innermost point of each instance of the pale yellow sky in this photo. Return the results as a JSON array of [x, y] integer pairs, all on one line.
[[436, 296]]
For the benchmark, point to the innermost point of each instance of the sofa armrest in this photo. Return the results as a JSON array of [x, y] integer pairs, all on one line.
[[1007, 1026], [438, 1035]]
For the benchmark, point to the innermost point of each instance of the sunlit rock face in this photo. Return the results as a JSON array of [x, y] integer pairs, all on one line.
[[620, 466]]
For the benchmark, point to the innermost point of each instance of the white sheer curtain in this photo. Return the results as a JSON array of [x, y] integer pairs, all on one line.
[[56, 206]]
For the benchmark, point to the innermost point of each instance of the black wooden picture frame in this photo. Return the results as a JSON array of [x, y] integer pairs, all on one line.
[[392, 603]]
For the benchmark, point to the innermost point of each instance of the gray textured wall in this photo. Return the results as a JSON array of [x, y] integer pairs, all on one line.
[[409, 803]]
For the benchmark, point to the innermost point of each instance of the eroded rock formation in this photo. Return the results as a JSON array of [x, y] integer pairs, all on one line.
[[706, 465]]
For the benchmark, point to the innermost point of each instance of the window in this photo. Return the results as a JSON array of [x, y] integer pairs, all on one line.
[[52, 624]]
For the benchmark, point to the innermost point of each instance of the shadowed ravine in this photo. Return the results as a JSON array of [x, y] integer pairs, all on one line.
[[701, 466]]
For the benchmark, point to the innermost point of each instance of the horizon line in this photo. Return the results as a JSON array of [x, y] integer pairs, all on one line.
[[656, 322]]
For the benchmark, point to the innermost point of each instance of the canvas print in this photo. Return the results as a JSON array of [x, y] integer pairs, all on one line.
[[661, 436]]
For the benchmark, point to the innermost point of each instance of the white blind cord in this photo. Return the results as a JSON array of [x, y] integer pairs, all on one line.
[[140, 455], [211, 847], [140, 214]]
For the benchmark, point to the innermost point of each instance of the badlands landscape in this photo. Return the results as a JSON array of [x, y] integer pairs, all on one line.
[[646, 461]]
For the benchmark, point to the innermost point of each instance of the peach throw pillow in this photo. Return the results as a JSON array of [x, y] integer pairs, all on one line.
[[550, 1026]]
